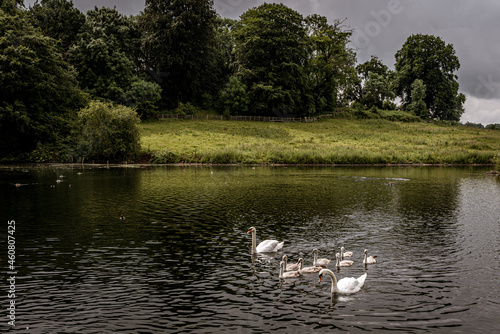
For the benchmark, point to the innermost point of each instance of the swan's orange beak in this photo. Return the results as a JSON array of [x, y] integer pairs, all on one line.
[[319, 281], [250, 230]]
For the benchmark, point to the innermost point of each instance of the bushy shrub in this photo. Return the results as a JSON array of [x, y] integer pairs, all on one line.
[[108, 132], [185, 109]]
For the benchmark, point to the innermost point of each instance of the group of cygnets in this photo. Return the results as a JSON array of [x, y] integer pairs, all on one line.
[[347, 285]]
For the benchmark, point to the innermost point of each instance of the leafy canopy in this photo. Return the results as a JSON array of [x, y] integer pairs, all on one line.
[[271, 52], [179, 38], [374, 88], [102, 53], [104, 56], [331, 62], [38, 88], [431, 60], [58, 19]]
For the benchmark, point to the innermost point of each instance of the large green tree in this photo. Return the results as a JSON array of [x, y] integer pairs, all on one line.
[[179, 48], [374, 84], [102, 54], [331, 62], [38, 88], [105, 56], [271, 51], [431, 60]]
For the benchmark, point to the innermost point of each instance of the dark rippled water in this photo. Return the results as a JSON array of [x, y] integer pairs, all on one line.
[[180, 262]]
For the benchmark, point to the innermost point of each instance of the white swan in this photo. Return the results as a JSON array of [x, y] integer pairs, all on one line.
[[266, 246], [346, 285], [344, 254], [292, 266], [288, 274], [369, 259], [319, 262], [313, 269], [343, 263]]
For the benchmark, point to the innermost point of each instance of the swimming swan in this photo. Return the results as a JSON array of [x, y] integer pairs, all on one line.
[[313, 269], [288, 274], [369, 259], [292, 266], [346, 285], [319, 262], [344, 254], [343, 263], [266, 246]]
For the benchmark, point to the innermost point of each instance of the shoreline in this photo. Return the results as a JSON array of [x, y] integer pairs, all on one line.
[[141, 165]]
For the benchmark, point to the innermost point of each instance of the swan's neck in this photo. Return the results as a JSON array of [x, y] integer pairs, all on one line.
[[281, 270], [335, 289], [254, 242], [284, 263], [366, 258], [315, 262], [342, 253], [338, 261]]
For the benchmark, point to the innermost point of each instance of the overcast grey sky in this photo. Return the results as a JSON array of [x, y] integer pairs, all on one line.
[[382, 26]]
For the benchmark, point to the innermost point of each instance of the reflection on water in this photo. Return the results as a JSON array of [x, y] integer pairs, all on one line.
[[180, 261]]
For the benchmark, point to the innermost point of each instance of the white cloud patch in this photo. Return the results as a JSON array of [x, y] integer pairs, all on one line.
[[484, 111]]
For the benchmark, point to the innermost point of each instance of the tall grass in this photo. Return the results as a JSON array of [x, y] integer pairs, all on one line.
[[335, 141]]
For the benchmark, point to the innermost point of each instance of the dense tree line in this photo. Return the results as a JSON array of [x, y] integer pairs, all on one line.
[[55, 60]]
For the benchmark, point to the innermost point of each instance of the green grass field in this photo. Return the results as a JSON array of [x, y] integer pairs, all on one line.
[[333, 141]]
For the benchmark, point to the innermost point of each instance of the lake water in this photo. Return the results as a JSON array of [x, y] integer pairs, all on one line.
[[180, 262]]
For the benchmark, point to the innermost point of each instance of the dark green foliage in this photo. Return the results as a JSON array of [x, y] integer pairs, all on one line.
[[373, 88], [102, 53], [225, 54], [143, 96], [179, 48], [431, 60], [418, 106], [11, 6], [330, 64], [495, 126], [108, 132], [271, 50], [105, 57], [185, 109], [474, 125], [235, 97], [58, 19], [374, 65], [38, 89]]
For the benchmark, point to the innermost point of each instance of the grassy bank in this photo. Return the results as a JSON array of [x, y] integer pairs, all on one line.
[[334, 141]]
